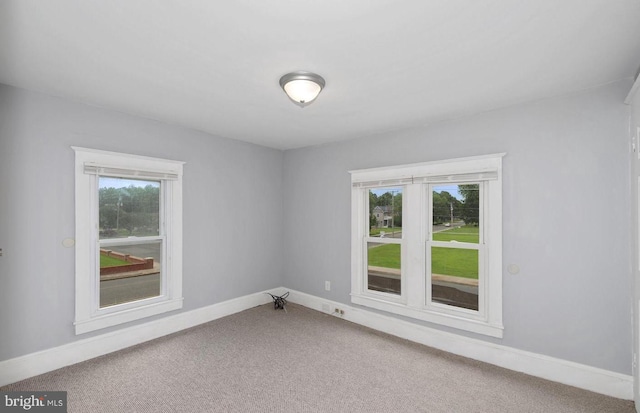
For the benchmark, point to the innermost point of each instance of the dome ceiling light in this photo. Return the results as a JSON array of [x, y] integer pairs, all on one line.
[[302, 87]]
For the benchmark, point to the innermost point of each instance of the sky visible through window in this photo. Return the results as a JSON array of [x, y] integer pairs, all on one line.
[[452, 189], [108, 182]]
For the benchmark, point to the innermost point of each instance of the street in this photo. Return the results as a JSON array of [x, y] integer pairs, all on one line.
[[123, 290]]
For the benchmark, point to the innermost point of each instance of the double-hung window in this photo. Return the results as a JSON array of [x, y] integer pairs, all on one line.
[[128, 238], [427, 241]]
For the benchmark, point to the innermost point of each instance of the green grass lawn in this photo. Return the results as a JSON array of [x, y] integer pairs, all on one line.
[[454, 261], [445, 261], [376, 231], [463, 234], [111, 261], [385, 255]]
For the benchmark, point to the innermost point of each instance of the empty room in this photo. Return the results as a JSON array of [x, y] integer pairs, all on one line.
[[320, 206]]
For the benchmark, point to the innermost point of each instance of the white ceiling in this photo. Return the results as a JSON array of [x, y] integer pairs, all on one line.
[[389, 64]]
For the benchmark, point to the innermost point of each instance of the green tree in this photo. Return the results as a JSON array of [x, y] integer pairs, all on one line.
[[441, 211], [108, 215], [373, 222], [384, 199], [397, 209], [134, 208], [127, 221], [470, 204], [444, 206], [373, 201]]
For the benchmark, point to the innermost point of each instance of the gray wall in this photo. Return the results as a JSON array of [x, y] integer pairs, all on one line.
[[566, 214], [635, 208], [567, 209], [229, 187]]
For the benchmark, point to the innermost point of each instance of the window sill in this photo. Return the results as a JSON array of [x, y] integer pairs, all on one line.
[[449, 320], [136, 313]]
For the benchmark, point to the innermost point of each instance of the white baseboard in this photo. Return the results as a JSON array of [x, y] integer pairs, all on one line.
[[33, 364], [558, 370], [550, 368]]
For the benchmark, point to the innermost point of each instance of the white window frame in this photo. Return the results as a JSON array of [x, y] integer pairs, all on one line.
[[415, 298], [90, 164]]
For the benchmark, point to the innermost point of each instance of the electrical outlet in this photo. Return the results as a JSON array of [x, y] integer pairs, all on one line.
[[327, 285], [339, 312]]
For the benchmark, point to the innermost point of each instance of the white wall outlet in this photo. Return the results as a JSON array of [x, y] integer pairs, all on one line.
[[513, 269], [327, 285]]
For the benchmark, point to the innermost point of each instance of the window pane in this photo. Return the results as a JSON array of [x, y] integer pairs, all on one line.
[[383, 267], [454, 277], [385, 212], [128, 207], [129, 272], [456, 213]]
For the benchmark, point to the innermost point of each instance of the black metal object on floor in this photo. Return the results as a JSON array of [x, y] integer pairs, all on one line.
[[279, 301]]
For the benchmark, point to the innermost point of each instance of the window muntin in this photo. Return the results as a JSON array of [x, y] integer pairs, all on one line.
[[418, 296]]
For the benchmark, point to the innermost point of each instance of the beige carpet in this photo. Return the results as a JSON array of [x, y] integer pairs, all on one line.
[[263, 360]]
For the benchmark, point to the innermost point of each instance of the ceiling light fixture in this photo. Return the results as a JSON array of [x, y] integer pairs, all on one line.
[[302, 87]]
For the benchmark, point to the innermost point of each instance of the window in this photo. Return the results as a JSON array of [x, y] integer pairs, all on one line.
[[427, 242], [384, 240], [128, 238], [453, 245], [131, 241]]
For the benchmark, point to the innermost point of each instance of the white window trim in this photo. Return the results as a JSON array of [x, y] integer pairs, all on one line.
[[89, 316], [413, 301]]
